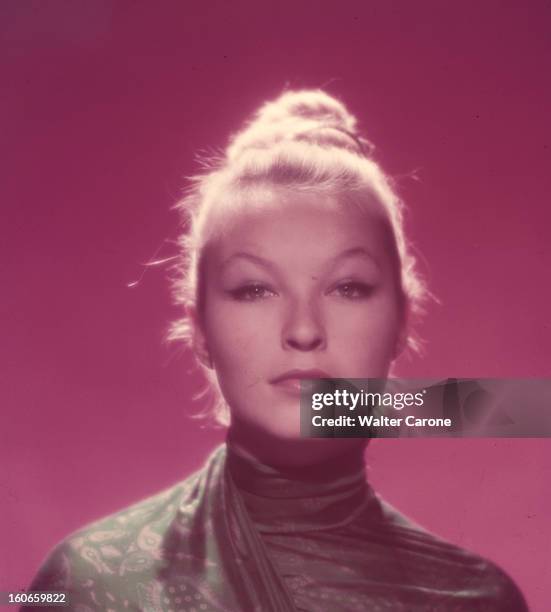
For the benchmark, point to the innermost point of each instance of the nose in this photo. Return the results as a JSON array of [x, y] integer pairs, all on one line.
[[303, 330]]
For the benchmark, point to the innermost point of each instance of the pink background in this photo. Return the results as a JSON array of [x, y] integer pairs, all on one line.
[[104, 105]]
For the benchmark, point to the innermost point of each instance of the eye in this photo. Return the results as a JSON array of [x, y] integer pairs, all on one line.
[[251, 293], [353, 290]]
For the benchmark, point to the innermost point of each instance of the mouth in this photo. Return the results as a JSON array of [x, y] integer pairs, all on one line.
[[290, 381]]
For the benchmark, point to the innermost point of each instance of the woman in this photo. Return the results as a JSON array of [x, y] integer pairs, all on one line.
[[294, 266]]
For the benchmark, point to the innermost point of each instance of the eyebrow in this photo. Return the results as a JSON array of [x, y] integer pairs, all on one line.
[[256, 259], [357, 252]]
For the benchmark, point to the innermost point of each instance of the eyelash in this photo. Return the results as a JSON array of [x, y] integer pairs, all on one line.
[[250, 293], [245, 293], [363, 290]]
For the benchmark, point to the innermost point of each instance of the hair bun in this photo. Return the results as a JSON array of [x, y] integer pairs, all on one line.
[[311, 116], [311, 105]]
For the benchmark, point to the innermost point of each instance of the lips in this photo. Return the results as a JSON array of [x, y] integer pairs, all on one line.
[[291, 381]]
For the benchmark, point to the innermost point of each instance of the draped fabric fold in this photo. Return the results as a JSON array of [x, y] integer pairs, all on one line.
[[213, 530], [190, 547], [241, 536]]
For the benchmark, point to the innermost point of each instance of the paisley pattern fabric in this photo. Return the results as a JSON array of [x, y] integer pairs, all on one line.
[[242, 536]]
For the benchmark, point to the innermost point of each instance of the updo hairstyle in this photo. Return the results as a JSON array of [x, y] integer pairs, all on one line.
[[303, 141]]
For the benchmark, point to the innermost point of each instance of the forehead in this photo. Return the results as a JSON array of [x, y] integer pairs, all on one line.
[[280, 223]]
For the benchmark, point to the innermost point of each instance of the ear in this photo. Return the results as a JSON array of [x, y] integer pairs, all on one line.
[[198, 338]]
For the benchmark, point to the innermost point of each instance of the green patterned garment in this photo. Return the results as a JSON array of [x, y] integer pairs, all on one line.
[[241, 536]]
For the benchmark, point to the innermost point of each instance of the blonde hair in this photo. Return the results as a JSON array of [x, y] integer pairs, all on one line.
[[304, 140]]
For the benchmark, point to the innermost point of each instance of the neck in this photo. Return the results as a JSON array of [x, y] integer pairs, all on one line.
[[300, 496], [292, 453]]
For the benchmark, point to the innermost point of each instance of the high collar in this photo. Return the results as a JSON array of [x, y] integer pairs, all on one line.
[[324, 496]]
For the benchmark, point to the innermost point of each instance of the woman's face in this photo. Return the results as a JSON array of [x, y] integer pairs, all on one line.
[[296, 282]]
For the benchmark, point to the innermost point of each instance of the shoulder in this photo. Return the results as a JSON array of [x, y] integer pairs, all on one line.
[[94, 562], [465, 578]]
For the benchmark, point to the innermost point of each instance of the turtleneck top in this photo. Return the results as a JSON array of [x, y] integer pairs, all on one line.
[[239, 535], [301, 499], [338, 546]]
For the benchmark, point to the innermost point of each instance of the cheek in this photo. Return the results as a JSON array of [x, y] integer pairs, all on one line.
[[237, 332], [241, 340], [365, 337]]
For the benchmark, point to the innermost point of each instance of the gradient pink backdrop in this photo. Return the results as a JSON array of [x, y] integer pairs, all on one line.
[[104, 105]]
